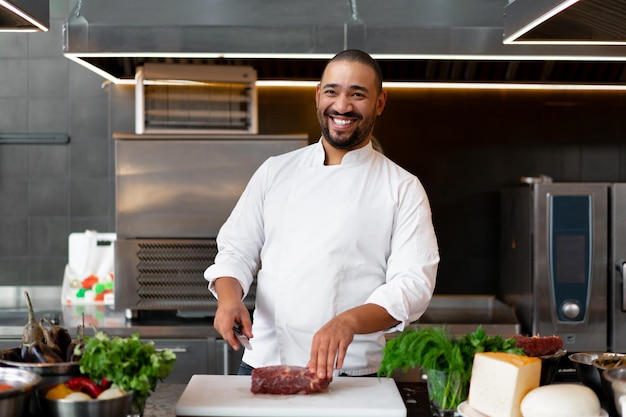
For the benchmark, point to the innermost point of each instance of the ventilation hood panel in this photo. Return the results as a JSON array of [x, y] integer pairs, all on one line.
[[24, 15], [566, 21], [429, 40]]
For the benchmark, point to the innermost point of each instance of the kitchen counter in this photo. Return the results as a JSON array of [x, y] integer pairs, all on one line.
[[163, 401], [459, 313], [47, 303]]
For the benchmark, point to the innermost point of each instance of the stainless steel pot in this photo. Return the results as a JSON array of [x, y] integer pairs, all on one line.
[[15, 400]]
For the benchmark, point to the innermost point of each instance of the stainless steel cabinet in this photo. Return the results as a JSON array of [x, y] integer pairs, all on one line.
[[224, 360], [192, 357], [200, 356]]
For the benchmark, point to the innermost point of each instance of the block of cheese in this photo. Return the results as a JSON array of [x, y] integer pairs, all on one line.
[[499, 382]]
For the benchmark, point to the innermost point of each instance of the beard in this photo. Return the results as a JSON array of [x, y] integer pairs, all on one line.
[[356, 138]]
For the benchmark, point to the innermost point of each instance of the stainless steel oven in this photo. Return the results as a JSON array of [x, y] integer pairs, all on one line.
[[563, 248], [173, 193]]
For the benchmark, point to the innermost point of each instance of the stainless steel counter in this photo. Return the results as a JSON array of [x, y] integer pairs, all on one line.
[[47, 303], [459, 313]]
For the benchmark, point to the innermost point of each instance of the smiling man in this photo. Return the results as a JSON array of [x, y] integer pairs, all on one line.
[[349, 98], [339, 238]]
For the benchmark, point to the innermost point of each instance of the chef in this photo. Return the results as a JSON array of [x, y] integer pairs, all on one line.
[[339, 238]]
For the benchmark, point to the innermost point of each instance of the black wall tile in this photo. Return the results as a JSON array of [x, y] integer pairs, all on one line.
[[13, 161], [90, 198], [14, 236], [48, 197], [14, 201], [48, 237], [48, 161]]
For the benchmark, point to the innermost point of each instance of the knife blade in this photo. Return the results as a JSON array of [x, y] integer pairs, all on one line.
[[243, 339]]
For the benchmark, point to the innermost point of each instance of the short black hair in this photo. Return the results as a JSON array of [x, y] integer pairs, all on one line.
[[356, 55]]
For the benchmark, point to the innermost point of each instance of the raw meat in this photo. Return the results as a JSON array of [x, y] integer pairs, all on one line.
[[286, 380], [539, 346]]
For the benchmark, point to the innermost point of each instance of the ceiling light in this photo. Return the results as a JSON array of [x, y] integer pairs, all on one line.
[[565, 22], [24, 16]]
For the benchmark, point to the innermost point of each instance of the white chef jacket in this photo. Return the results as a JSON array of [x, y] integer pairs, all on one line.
[[324, 239]]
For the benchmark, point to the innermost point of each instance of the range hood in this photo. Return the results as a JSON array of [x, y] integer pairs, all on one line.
[[426, 40], [24, 16], [599, 22]]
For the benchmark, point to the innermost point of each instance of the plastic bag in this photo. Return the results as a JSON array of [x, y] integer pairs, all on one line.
[[89, 274]]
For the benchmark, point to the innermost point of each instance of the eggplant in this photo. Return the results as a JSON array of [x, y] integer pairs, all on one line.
[[25, 353], [42, 353], [75, 348], [33, 332], [12, 354], [57, 337]]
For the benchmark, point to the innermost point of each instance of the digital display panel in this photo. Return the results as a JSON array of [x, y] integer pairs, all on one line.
[[571, 254]]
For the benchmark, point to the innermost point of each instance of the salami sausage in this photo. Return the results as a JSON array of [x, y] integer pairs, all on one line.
[[539, 346], [286, 380]]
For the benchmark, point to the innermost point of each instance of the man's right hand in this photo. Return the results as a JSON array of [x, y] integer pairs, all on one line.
[[231, 311]]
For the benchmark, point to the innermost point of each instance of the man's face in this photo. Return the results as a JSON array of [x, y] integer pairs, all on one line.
[[348, 104]]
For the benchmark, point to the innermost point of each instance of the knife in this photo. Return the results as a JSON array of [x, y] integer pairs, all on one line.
[[243, 339]]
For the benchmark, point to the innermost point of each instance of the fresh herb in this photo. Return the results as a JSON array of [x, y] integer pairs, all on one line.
[[435, 349], [128, 362]]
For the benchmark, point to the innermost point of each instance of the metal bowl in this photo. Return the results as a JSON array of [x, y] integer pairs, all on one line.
[[114, 407], [606, 385], [14, 401], [550, 366], [50, 373], [616, 380], [586, 372]]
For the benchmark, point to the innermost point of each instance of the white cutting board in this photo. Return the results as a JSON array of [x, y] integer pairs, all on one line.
[[229, 395]]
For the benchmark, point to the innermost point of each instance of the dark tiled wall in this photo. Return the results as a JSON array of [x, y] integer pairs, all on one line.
[[463, 145], [50, 190]]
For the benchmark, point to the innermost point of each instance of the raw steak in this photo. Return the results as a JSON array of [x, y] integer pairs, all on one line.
[[539, 346], [285, 380]]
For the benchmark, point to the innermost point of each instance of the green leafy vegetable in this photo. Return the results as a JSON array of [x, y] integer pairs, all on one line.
[[435, 349], [128, 362]]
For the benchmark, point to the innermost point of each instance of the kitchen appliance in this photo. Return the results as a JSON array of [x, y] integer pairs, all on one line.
[[229, 395], [189, 99], [173, 193], [563, 248]]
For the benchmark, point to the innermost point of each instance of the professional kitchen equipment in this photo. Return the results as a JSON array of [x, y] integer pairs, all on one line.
[[173, 193], [188, 99], [563, 248], [229, 395]]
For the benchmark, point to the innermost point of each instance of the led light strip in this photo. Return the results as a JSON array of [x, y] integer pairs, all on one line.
[[550, 13], [7, 5], [406, 85]]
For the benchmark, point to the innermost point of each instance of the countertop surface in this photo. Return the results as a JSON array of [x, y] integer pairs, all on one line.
[[47, 303], [461, 314]]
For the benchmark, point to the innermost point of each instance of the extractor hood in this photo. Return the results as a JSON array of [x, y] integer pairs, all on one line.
[[582, 22], [426, 40], [24, 16]]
